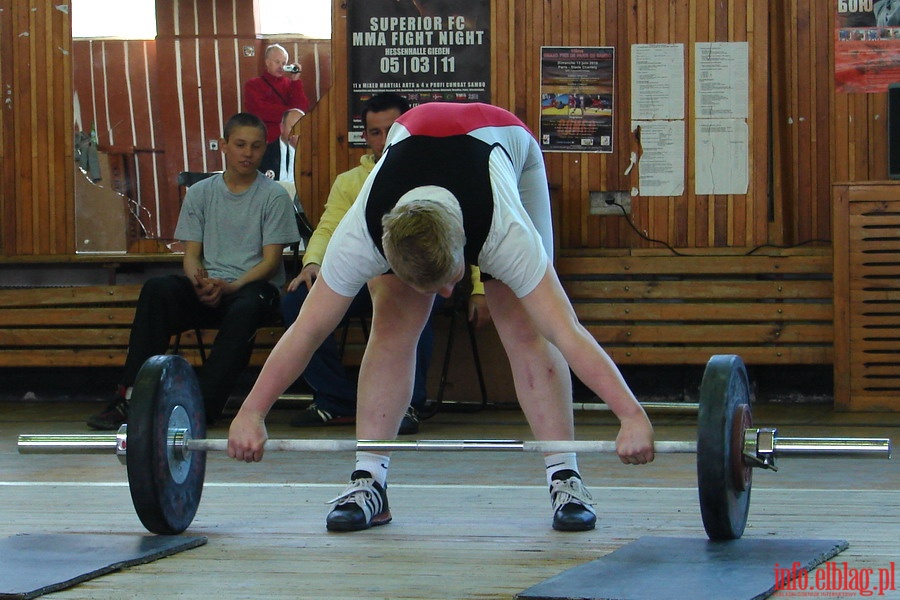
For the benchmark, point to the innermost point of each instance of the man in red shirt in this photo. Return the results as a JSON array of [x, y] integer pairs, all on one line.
[[275, 91]]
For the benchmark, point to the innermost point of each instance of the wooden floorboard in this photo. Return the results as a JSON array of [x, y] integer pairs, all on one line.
[[466, 525]]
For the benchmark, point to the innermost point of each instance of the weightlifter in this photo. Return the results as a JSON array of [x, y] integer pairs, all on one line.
[[457, 183]]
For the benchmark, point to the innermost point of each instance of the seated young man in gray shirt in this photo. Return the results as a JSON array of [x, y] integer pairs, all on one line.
[[234, 226]]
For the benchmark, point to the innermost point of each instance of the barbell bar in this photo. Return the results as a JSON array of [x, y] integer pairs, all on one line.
[[672, 408], [109, 444], [164, 446]]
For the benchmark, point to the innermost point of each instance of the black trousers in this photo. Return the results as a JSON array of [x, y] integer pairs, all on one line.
[[168, 305]]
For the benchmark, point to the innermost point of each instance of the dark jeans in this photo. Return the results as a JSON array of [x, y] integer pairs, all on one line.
[[325, 373], [168, 306]]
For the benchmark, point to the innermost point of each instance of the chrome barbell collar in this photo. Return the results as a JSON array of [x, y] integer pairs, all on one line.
[[759, 447], [122, 443]]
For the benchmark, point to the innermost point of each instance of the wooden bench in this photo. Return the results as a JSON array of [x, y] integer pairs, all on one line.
[[645, 310], [680, 310], [88, 326]]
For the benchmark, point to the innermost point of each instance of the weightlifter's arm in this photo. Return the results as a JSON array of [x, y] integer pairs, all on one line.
[[320, 314], [552, 313]]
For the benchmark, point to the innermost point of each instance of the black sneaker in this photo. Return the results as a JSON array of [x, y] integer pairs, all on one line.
[[362, 505], [572, 503], [410, 423], [112, 417], [314, 416]]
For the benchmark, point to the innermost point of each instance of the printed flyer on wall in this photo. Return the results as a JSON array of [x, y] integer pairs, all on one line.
[[577, 86]]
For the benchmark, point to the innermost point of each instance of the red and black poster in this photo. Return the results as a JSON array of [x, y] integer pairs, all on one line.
[[424, 50], [866, 45]]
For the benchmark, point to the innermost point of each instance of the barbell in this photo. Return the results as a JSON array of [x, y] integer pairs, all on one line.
[[164, 448]]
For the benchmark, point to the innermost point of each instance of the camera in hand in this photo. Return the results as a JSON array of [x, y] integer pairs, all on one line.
[[291, 68]]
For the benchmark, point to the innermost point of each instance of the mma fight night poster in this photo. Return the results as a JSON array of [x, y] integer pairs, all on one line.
[[424, 50], [866, 45]]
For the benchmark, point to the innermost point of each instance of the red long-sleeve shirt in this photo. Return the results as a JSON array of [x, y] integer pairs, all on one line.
[[268, 97]]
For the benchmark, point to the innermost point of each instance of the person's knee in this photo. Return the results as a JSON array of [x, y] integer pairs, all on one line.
[[162, 291], [517, 329], [258, 303], [162, 285]]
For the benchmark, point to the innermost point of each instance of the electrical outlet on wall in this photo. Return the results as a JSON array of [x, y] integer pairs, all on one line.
[[214, 145], [609, 203]]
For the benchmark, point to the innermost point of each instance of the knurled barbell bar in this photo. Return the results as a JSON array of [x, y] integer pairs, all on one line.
[[164, 449]]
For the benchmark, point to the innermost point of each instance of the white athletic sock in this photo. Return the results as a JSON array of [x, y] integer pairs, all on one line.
[[559, 462], [376, 464]]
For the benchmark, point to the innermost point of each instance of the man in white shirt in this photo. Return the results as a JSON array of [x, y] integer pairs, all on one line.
[[457, 184], [278, 161]]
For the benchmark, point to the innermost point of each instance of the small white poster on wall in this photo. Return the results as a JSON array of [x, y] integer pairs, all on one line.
[[661, 167], [721, 80], [721, 156], [657, 81]]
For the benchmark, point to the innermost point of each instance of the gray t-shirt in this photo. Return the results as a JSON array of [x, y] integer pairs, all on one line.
[[233, 228]]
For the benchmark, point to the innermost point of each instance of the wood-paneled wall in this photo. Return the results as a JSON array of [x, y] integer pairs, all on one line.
[[803, 135], [161, 101], [36, 146]]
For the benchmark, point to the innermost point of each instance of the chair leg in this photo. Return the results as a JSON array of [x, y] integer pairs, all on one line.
[[200, 346], [346, 330], [473, 341], [176, 345], [445, 368], [458, 305], [343, 343], [365, 328]]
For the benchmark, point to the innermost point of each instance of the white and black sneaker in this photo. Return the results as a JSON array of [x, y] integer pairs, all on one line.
[[410, 423], [572, 502], [363, 504], [314, 416], [112, 417]]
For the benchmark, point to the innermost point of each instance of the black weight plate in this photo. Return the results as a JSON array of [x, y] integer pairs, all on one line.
[[723, 393], [165, 487]]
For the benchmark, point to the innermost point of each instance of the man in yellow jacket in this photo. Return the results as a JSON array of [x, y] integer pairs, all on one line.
[[335, 393]]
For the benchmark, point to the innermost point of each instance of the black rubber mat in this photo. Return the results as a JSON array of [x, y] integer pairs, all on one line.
[[669, 568], [36, 564]]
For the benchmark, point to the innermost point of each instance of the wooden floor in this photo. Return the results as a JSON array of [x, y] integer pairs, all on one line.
[[472, 525]]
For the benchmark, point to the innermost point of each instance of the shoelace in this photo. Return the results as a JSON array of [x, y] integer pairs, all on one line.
[[362, 493], [568, 490], [324, 415]]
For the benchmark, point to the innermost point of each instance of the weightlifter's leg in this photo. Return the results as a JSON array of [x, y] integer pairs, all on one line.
[[385, 385], [544, 389]]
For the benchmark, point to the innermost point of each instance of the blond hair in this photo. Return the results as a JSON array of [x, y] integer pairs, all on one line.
[[423, 241]]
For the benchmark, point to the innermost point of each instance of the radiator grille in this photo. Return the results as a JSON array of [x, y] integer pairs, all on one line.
[[874, 278]]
